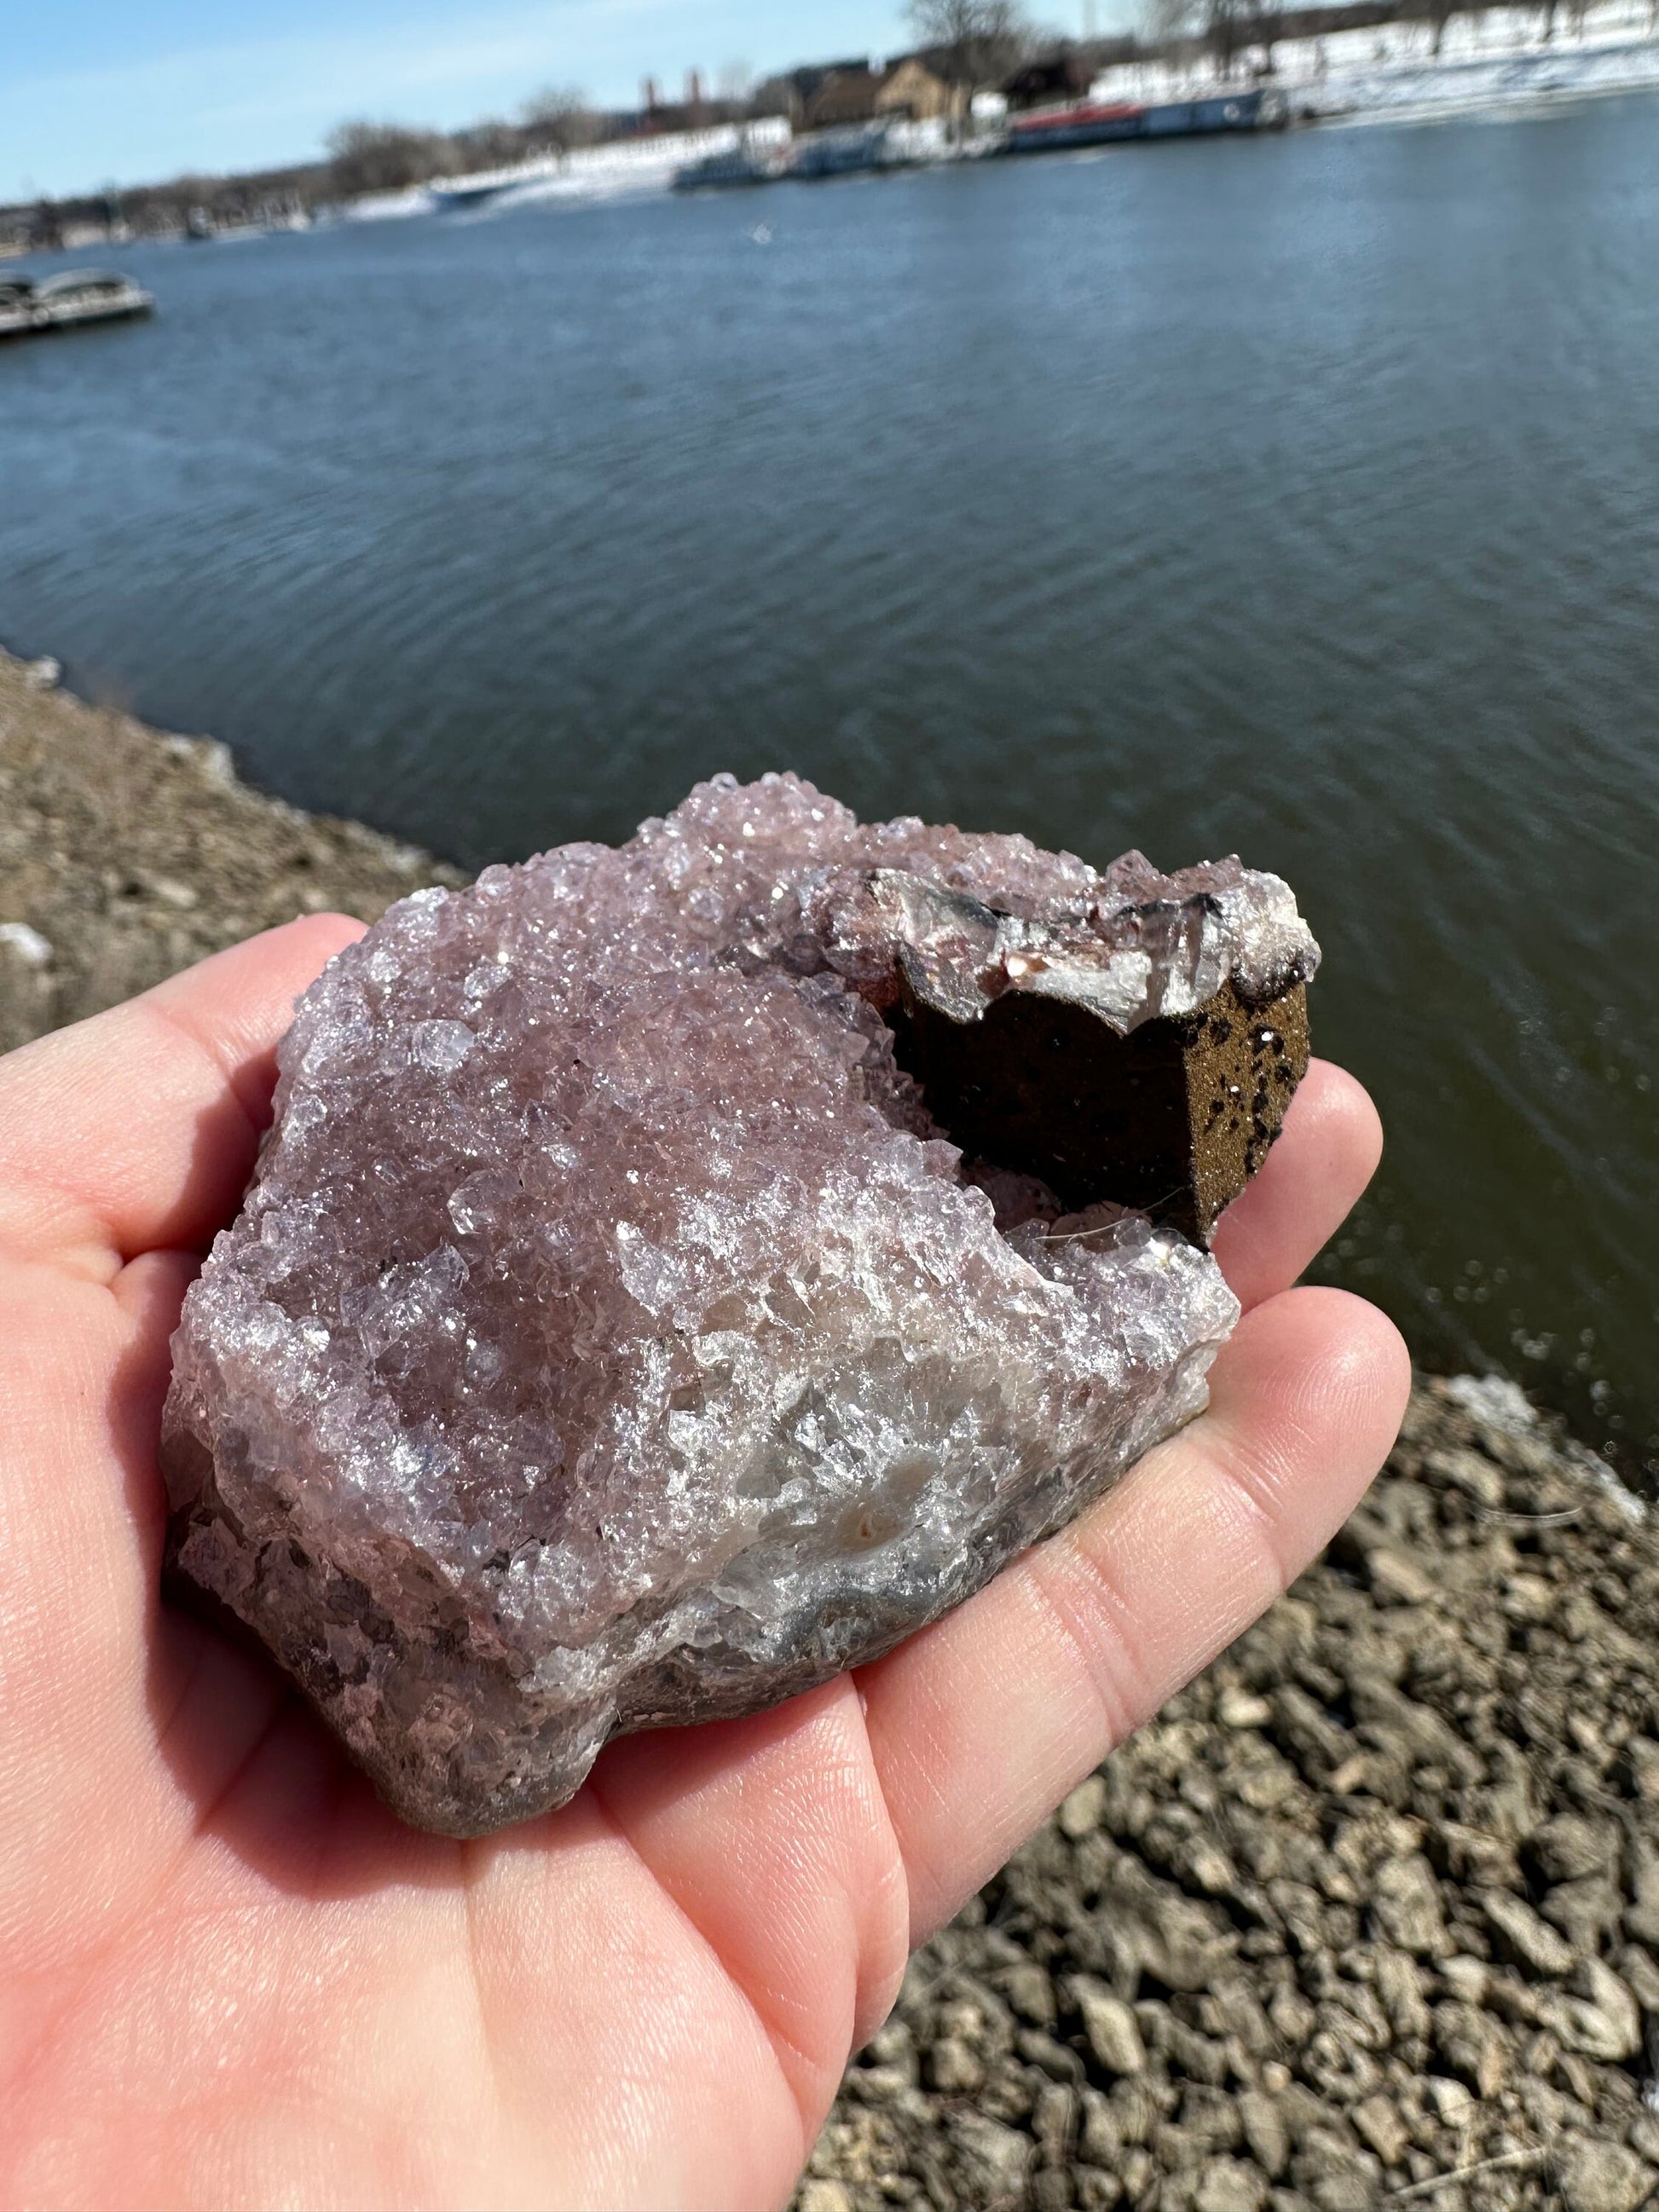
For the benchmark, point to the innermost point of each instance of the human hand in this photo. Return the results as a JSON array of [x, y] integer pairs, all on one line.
[[228, 1976]]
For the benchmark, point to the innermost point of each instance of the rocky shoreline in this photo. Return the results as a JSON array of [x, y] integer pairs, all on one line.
[[125, 854], [1374, 1904], [1370, 1914]]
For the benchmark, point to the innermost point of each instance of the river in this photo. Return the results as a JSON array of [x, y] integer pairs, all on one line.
[[1297, 497]]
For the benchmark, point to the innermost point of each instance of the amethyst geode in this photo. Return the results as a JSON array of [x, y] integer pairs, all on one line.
[[676, 1273]]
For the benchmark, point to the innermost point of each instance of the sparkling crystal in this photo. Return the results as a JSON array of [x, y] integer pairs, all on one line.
[[613, 1334]]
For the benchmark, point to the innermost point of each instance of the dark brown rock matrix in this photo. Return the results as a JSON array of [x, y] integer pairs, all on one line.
[[620, 1332], [1172, 1119]]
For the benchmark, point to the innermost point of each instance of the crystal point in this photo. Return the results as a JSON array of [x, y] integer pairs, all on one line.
[[676, 1273]]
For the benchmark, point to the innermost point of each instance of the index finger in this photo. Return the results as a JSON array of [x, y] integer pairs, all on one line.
[[1326, 1154], [137, 1130]]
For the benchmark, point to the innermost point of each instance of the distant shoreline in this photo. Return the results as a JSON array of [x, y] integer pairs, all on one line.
[[1316, 65]]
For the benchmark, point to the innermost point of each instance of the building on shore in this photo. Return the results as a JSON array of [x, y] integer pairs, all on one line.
[[846, 95], [1054, 78], [912, 92]]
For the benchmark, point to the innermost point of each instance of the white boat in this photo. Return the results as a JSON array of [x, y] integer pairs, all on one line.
[[750, 161], [852, 148], [29, 304]]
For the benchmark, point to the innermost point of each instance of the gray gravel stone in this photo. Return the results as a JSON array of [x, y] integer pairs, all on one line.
[[1111, 2027], [994, 2160], [1406, 1904], [1569, 1846], [954, 2068], [817, 2195], [1532, 1939], [1225, 2185], [1601, 2177]]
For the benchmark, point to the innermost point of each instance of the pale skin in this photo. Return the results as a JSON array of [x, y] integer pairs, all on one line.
[[228, 1978]]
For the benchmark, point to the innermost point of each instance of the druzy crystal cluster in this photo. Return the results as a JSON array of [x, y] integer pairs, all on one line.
[[676, 1273]]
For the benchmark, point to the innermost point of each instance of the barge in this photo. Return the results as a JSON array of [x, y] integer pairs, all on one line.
[[1105, 123]]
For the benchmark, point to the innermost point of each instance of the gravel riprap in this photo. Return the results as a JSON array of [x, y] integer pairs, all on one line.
[[1374, 1901], [125, 854]]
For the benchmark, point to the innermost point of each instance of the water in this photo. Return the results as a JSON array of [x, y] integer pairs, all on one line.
[[1292, 497]]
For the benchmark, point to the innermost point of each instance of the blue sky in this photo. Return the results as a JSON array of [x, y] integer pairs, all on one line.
[[103, 91]]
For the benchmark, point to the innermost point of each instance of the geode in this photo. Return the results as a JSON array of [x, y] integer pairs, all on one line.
[[676, 1273]]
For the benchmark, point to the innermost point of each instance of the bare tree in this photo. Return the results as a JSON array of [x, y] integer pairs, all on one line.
[[1224, 32], [384, 157], [560, 117], [1232, 26], [777, 95], [1165, 20], [979, 42], [490, 144]]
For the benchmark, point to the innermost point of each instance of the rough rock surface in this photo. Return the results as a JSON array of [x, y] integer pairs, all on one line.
[[125, 854], [1374, 1901], [613, 1337]]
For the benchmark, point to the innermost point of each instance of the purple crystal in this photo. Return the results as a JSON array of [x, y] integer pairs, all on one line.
[[611, 1337]]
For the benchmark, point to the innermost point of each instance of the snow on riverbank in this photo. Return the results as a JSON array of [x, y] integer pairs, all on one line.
[[1397, 92], [1390, 72], [623, 168]]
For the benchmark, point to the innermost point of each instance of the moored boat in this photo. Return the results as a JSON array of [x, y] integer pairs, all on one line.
[[1102, 122], [30, 305], [854, 149], [470, 192], [735, 165]]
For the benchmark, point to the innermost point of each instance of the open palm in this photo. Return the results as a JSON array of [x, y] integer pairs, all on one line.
[[228, 1976]]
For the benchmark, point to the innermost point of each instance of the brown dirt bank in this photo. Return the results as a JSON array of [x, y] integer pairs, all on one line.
[[125, 854], [1375, 1902]]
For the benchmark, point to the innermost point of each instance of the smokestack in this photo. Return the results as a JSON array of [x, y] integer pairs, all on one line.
[[649, 96], [694, 88]]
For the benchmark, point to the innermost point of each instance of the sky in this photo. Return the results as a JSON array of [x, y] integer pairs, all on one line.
[[103, 91]]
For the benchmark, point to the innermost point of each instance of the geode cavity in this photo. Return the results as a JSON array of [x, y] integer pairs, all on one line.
[[674, 1273]]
